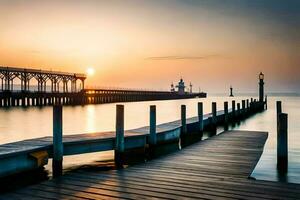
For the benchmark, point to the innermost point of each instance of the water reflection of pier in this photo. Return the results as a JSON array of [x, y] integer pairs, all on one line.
[[32, 87]]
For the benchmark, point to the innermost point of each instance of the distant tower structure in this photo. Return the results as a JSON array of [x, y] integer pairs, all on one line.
[[191, 88], [181, 87], [231, 93], [261, 87], [172, 87]]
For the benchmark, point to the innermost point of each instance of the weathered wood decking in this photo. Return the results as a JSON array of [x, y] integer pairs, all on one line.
[[217, 168], [17, 157], [31, 154], [102, 140]]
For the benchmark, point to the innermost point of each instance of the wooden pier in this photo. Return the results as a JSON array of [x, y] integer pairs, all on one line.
[[34, 153], [216, 168], [62, 88]]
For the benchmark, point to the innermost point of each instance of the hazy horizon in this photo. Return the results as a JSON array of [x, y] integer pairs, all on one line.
[[149, 44]]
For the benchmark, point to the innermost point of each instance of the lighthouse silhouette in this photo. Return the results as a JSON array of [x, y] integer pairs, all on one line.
[[261, 86], [231, 93]]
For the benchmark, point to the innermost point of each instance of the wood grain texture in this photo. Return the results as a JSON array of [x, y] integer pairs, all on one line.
[[216, 168]]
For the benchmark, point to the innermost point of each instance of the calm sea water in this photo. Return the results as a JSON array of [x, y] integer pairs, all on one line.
[[25, 123], [266, 121]]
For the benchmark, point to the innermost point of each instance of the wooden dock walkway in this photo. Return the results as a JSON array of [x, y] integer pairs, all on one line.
[[216, 168], [22, 156]]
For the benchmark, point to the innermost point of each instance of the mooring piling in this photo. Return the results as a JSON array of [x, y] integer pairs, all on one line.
[[247, 105], [120, 144], [214, 113], [152, 138], [278, 108], [226, 117], [282, 142], [225, 112], [57, 163], [233, 109], [238, 109], [183, 119], [243, 108], [200, 116]]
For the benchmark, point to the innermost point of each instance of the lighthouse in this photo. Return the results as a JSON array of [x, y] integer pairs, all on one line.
[[231, 93], [181, 87], [261, 87], [191, 88]]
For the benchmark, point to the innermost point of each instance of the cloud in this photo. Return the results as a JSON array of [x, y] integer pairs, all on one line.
[[180, 57]]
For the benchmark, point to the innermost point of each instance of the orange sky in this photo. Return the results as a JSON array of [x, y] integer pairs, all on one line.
[[149, 44]]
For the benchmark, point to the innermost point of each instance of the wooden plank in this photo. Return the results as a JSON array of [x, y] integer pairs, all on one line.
[[169, 191], [207, 182], [15, 196], [217, 168], [173, 188]]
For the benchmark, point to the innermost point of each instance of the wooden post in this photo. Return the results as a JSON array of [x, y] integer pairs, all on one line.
[[282, 142], [23, 101], [225, 112], [278, 112], [243, 108], [233, 109], [247, 105], [152, 138], [278, 108], [266, 102], [238, 109], [13, 101], [183, 119], [57, 141], [120, 144], [214, 113], [200, 116]]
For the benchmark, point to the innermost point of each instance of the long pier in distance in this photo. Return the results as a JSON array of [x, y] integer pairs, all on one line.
[[52, 88]]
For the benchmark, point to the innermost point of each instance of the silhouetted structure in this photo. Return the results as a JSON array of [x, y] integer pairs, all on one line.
[[41, 97], [181, 87], [231, 93], [191, 88], [282, 139], [9, 74], [261, 87]]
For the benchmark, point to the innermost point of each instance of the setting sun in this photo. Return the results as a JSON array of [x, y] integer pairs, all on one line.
[[90, 71]]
